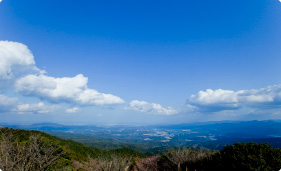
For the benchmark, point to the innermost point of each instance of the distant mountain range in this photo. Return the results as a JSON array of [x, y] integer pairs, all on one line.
[[155, 138]]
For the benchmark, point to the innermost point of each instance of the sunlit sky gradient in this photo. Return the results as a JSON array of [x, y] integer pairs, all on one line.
[[139, 62]]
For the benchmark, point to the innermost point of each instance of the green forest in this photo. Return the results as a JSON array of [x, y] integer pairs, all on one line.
[[35, 150]]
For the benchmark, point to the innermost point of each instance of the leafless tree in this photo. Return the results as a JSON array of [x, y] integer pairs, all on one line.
[[182, 157], [30, 155], [90, 165], [115, 163], [147, 164], [186, 155]]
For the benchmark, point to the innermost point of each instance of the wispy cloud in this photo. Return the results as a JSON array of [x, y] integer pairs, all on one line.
[[34, 108], [7, 103], [72, 110], [218, 100], [150, 108]]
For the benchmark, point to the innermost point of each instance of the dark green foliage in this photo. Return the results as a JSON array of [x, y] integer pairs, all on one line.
[[240, 156], [127, 152], [251, 156]]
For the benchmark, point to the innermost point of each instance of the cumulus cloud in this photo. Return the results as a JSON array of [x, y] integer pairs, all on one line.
[[18, 70], [151, 108], [72, 90], [15, 60], [218, 100], [72, 110], [7, 103], [33, 108]]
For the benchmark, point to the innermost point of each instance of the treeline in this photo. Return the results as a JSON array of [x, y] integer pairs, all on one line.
[[34, 150]]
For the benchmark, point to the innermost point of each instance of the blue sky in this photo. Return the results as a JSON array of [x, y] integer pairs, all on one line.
[[139, 62]]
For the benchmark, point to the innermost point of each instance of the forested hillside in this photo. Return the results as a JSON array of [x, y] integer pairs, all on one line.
[[34, 150]]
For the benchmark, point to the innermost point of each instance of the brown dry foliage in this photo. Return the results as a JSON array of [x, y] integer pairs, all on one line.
[[184, 159], [185, 155], [114, 163], [147, 164], [32, 155]]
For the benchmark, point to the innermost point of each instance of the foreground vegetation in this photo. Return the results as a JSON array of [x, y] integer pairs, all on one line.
[[34, 150]]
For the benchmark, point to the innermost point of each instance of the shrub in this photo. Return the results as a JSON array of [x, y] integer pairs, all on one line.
[[251, 156]]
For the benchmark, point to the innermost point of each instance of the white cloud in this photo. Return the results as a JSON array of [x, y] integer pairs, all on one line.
[[33, 108], [7, 103], [217, 100], [151, 108], [72, 110], [0, 0], [15, 60], [72, 90], [18, 69]]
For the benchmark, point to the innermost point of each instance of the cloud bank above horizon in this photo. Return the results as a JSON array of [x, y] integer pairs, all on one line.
[[220, 100], [19, 73]]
